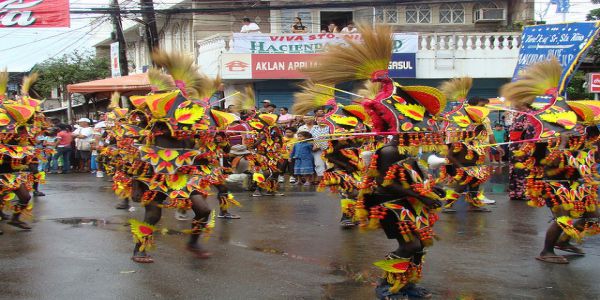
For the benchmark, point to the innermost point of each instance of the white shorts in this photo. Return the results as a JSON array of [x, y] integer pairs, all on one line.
[[320, 166]]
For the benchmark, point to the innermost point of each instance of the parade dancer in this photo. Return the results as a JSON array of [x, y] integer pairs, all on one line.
[[178, 143], [467, 139], [561, 157], [266, 139], [19, 128], [397, 192], [343, 154]]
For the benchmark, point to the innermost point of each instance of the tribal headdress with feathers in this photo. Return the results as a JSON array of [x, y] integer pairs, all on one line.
[[3, 84], [541, 80], [183, 101], [339, 118], [463, 122], [405, 110]]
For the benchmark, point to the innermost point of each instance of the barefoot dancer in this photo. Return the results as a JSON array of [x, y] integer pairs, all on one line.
[[179, 143], [19, 128], [397, 193], [343, 154], [466, 136], [562, 162]]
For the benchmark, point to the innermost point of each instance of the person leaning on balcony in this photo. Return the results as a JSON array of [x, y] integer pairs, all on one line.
[[298, 27], [350, 28], [249, 27]]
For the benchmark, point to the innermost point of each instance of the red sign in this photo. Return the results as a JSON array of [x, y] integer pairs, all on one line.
[[594, 82], [280, 66], [34, 13]]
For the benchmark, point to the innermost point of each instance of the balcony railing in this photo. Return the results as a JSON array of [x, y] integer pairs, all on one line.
[[470, 41]]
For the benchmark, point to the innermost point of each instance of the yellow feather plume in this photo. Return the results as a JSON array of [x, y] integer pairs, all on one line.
[[28, 81], [369, 90], [160, 81], [3, 82], [245, 101], [115, 100], [182, 68], [357, 60], [311, 97], [456, 89], [534, 81]]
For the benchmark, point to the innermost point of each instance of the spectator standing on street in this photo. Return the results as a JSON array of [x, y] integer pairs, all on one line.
[[249, 27], [318, 130], [265, 105], [83, 142], [302, 156], [298, 27], [285, 119], [271, 108], [63, 149]]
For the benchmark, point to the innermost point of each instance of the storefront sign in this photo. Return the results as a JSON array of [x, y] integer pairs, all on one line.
[[34, 13], [236, 66], [403, 65], [594, 83], [567, 42], [280, 66], [308, 43]]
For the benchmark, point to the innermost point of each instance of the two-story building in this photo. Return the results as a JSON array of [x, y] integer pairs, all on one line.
[[445, 39]]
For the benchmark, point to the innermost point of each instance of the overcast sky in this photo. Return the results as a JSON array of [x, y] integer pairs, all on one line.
[[21, 48]]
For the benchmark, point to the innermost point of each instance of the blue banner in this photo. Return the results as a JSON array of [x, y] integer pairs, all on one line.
[[403, 65], [567, 42]]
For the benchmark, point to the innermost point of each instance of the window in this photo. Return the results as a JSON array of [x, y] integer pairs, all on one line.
[[288, 17], [452, 13], [418, 14], [185, 36], [387, 15], [485, 4]]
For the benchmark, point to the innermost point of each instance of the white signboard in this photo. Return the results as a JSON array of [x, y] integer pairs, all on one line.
[[114, 60], [236, 66], [308, 43]]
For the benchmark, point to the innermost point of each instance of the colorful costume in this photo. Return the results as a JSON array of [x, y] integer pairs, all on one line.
[[467, 141], [561, 154], [396, 193], [20, 125]]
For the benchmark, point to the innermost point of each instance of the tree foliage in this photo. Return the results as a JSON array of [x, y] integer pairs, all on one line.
[[594, 51], [70, 68], [575, 89]]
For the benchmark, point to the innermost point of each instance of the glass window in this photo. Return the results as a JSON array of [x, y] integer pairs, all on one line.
[[452, 13], [391, 15], [419, 14]]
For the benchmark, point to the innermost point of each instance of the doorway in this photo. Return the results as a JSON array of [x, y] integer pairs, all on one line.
[[339, 18]]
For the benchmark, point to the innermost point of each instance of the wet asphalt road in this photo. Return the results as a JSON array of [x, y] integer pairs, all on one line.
[[283, 248]]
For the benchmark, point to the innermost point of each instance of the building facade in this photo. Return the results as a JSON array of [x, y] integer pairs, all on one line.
[[451, 38]]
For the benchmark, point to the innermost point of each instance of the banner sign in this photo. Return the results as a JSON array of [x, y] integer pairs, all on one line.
[[308, 43], [594, 83], [236, 66], [403, 65], [114, 60], [566, 41], [34, 13], [562, 6], [275, 66]]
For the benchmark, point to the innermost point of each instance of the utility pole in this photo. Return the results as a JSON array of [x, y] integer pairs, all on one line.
[[118, 29], [149, 19]]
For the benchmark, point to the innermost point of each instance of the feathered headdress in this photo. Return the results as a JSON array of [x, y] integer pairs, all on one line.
[[357, 60], [311, 97], [457, 89], [369, 90], [186, 75], [28, 81], [160, 81], [3, 83], [536, 80], [245, 101]]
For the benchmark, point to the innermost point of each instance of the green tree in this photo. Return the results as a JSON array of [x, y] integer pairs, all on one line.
[[575, 90], [594, 51], [70, 68]]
